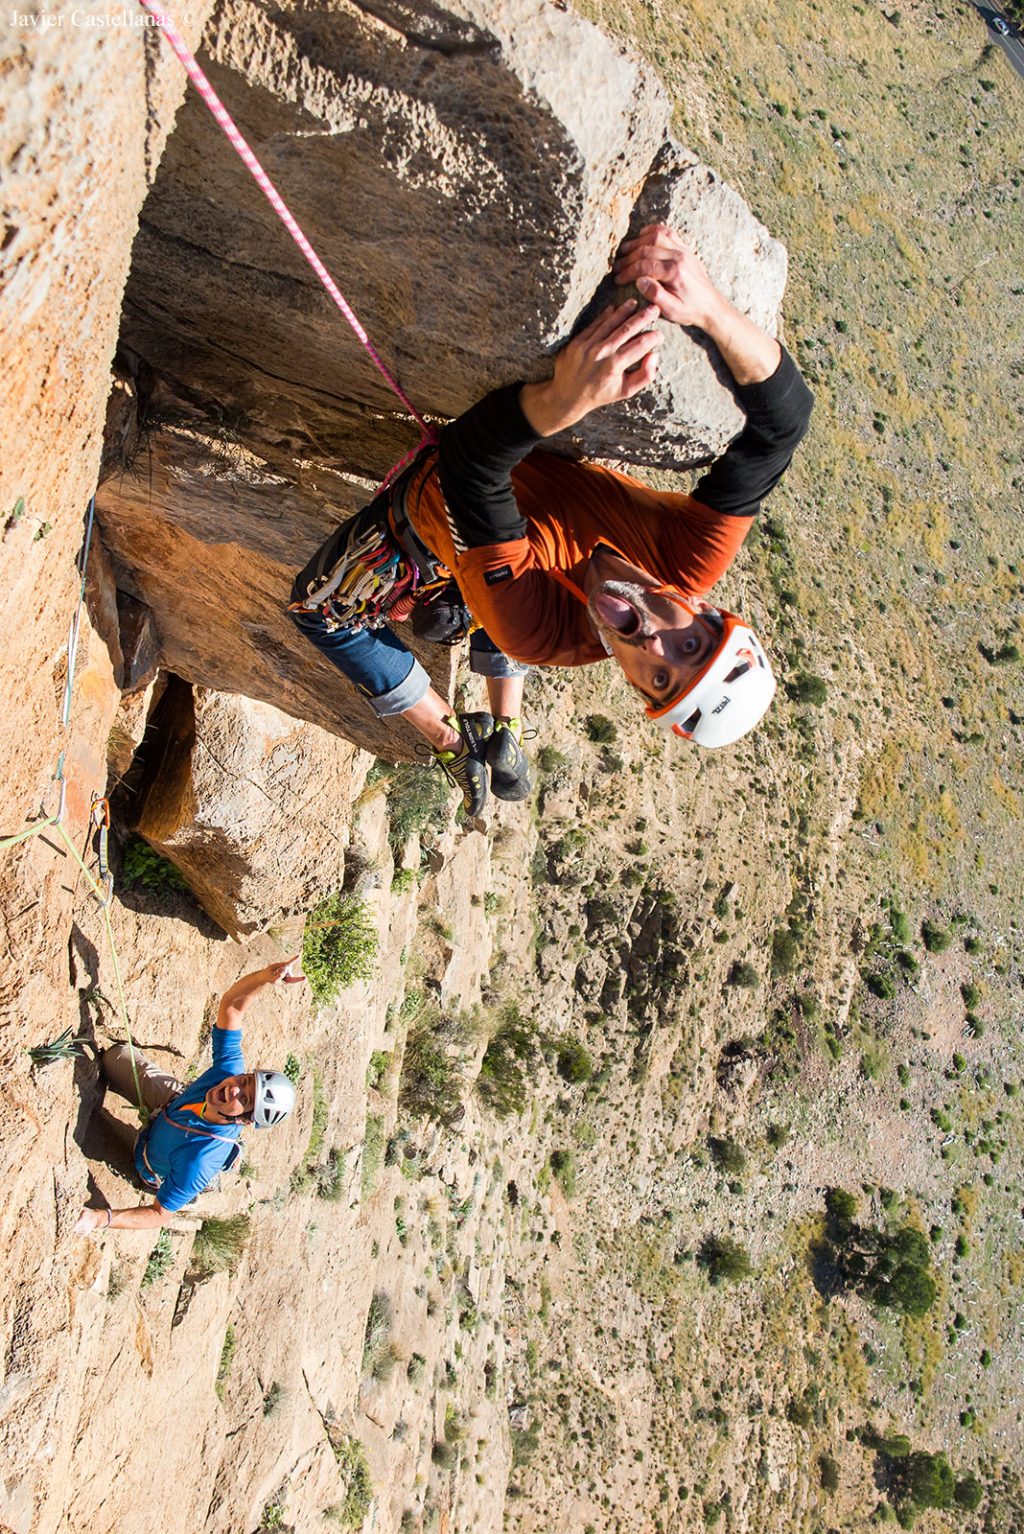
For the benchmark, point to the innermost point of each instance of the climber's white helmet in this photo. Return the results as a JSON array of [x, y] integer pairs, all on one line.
[[274, 1098], [729, 695]]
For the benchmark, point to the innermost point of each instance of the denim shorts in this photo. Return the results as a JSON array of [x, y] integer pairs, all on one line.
[[374, 659]]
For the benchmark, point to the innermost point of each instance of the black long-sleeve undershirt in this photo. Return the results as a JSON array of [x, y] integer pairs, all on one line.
[[480, 449], [477, 454], [777, 411]]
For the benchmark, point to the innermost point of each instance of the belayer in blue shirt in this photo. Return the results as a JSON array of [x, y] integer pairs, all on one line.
[[194, 1131]]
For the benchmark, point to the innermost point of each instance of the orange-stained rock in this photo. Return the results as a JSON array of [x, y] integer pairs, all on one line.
[[210, 540], [252, 805]]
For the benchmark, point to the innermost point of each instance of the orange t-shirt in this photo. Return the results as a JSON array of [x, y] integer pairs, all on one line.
[[526, 592]]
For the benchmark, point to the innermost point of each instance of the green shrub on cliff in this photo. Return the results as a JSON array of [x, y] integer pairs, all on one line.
[[160, 1259], [502, 1082], [433, 1066], [574, 1064], [724, 1260], [351, 1511], [417, 798], [339, 946], [219, 1243]]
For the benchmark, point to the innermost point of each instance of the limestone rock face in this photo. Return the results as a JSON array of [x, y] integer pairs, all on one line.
[[466, 172], [462, 186], [83, 121], [247, 802]]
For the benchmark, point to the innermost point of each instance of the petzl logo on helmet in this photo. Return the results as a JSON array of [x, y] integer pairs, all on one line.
[[700, 711]]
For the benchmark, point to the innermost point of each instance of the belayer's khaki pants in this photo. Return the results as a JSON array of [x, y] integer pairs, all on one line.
[[157, 1086]]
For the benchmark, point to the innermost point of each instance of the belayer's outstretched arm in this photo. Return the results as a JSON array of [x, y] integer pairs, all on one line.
[[238, 996]]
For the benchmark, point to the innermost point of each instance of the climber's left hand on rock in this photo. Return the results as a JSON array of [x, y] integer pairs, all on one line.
[[611, 360]]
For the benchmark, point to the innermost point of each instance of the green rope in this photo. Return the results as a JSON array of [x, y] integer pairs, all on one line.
[[56, 821], [23, 836], [116, 962]]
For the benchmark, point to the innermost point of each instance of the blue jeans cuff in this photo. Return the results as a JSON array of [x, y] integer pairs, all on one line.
[[493, 663], [410, 691]]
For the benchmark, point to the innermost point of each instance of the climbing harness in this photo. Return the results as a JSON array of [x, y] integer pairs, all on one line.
[[364, 585], [376, 570], [374, 581], [280, 207], [142, 1140], [438, 612]]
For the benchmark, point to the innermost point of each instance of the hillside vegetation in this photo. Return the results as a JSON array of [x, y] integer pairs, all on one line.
[[847, 889]]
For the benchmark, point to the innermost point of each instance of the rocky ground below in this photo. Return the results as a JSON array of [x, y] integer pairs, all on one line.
[[473, 1294]]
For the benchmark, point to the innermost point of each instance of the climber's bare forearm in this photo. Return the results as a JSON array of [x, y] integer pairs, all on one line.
[[143, 1217], [750, 354]]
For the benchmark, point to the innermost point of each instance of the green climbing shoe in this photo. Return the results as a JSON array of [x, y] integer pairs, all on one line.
[[510, 769], [465, 765]]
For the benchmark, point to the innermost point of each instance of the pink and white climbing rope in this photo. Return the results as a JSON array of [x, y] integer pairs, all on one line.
[[284, 213]]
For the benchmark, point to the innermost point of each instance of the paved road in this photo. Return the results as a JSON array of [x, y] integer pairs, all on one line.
[[1012, 46]]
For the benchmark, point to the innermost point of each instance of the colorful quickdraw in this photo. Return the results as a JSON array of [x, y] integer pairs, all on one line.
[[361, 590], [100, 813]]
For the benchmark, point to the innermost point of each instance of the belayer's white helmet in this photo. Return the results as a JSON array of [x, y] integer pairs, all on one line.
[[275, 1098], [729, 695]]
